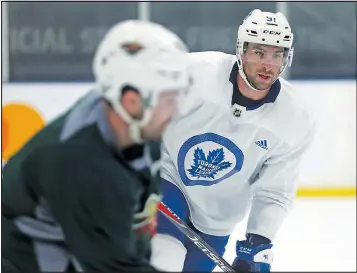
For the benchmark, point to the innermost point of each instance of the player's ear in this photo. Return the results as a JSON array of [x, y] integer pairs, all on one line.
[[245, 50]]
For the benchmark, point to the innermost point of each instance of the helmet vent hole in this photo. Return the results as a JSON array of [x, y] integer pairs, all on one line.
[[277, 42], [263, 39]]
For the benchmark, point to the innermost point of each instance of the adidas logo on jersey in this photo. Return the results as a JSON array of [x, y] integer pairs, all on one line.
[[262, 144]]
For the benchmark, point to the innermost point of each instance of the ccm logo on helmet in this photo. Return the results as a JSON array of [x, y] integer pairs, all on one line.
[[272, 32]]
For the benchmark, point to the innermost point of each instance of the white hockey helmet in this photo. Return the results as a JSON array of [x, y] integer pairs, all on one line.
[[264, 28], [145, 56]]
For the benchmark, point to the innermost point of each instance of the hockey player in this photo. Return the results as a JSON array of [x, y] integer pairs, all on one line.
[[78, 196], [237, 147]]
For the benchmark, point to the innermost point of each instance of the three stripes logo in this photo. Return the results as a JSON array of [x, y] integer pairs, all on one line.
[[262, 144]]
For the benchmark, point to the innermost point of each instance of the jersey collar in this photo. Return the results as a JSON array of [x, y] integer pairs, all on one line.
[[238, 98]]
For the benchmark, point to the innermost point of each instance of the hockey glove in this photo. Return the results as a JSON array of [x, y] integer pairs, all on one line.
[[253, 254]]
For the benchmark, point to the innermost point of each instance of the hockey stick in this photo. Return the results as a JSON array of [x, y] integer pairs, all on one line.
[[200, 243]]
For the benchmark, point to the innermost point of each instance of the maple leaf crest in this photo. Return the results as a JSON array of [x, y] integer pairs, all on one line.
[[208, 167]]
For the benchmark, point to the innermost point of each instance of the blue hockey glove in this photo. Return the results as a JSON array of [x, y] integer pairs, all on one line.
[[253, 254]]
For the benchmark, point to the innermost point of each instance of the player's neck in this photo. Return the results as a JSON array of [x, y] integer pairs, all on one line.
[[119, 127], [249, 92]]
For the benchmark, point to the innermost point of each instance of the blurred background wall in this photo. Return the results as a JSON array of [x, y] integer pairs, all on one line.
[[47, 50]]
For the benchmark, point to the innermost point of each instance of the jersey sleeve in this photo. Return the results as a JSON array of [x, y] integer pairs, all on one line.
[[275, 188], [94, 209]]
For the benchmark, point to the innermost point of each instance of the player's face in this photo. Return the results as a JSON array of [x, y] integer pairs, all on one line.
[[262, 64], [132, 103]]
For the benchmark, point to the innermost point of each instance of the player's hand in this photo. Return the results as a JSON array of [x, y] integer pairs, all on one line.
[[253, 257]]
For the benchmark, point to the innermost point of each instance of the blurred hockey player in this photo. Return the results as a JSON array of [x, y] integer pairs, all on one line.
[[236, 148], [79, 196]]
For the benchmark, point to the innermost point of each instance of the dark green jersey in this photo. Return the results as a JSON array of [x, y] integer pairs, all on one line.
[[71, 199]]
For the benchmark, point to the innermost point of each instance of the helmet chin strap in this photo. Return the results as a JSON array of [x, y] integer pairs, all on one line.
[[244, 77], [135, 126], [242, 74]]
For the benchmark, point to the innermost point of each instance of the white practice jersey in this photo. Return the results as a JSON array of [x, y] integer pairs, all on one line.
[[229, 160]]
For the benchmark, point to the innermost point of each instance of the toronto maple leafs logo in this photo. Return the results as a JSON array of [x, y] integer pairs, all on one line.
[[208, 158], [208, 167]]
